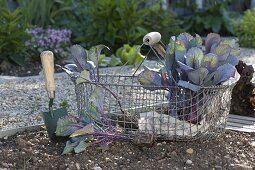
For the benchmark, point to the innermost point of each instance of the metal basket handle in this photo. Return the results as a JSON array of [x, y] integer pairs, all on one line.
[[151, 38]]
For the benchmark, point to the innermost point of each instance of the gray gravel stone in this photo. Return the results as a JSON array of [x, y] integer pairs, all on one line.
[[189, 162], [242, 167]]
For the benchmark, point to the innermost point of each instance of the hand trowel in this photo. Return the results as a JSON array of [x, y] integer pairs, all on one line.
[[51, 118]]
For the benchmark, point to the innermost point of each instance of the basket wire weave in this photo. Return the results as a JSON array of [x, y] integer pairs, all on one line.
[[163, 113]]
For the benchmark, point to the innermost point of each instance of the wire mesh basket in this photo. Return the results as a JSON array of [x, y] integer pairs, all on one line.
[[188, 98], [169, 113]]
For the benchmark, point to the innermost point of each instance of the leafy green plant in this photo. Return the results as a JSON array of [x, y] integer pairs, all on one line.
[[214, 18], [245, 30], [13, 36], [118, 22], [44, 12], [130, 55], [114, 22], [76, 18], [164, 21]]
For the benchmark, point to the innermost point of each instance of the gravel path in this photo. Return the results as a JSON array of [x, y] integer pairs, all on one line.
[[23, 99]]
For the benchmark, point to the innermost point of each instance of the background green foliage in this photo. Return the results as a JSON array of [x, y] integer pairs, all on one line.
[[13, 36], [246, 29], [116, 22], [75, 19], [216, 17], [164, 21], [43, 12]]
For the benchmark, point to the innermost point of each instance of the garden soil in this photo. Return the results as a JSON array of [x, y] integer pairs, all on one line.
[[33, 150]]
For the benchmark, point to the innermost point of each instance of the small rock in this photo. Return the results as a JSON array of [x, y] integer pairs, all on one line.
[[189, 162], [164, 143], [190, 151], [218, 167], [44, 141], [159, 144], [253, 143], [227, 156], [97, 168], [242, 167], [174, 153], [34, 159], [21, 142], [29, 143], [6, 137], [107, 159], [161, 160], [12, 119], [171, 154], [243, 155], [237, 161], [28, 151], [5, 165], [62, 166], [77, 165]]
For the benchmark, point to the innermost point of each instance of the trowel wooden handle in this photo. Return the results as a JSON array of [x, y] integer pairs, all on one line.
[[47, 59]]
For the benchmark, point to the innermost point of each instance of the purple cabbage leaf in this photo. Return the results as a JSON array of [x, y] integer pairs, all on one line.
[[196, 41], [94, 53], [88, 129], [71, 67], [79, 56], [150, 79], [197, 76], [194, 57], [188, 85], [180, 51], [67, 125], [222, 51], [186, 39], [210, 61], [70, 147], [223, 73], [82, 146], [170, 60], [211, 40]]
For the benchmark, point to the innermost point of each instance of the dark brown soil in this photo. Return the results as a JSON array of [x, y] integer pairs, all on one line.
[[33, 150], [31, 69]]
